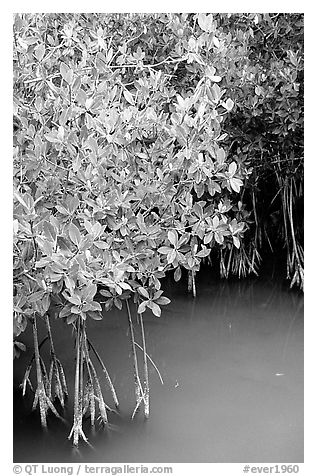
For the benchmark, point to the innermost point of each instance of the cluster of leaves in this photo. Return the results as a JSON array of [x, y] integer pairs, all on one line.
[[261, 60], [120, 175]]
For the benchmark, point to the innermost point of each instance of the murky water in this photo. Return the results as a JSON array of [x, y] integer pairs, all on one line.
[[232, 364]]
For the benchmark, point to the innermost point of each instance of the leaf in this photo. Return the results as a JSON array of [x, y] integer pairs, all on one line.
[[109, 55], [52, 137], [65, 311], [126, 286], [184, 238], [215, 221], [88, 226], [199, 189], [74, 234], [66, 72], [54, 277], [75, 310], [214, 93], [181, 102], [20, 199], [74, 299], [143, 292], [71, 318], [205, 22], [258, 90], [97, 316], [102, 245], [31, 40], [94, 306], [88, 292], [97, 229], [203, 253], [172, 237], [201, 109], [39, 52], [208, 237], [118, 303], [221, 156], [219, 238], [177, 273], [232, 168], [105, 293], [15, 226], [36, 296], [171, 256], [60, 133], [229, 104], [236, 184], [49, 231], [157, 294], [69, 283], [213, 187], [128, 97], [155, 309], [142, 307], [216, 42], [236, 241], [20, 345], [108, 304], [62, 210], [215, 79], [76, 164], [163, 301], [164, 250], [46, 301]]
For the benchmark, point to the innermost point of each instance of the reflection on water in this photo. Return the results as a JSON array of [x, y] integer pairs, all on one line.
[[232, 364]]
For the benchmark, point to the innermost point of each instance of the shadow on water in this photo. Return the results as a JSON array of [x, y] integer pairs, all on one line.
[[232, 364]]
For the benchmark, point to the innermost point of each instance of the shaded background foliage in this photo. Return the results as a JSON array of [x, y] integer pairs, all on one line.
[[143, 144]]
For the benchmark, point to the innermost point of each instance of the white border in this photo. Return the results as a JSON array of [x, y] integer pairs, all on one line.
[[310, 201]]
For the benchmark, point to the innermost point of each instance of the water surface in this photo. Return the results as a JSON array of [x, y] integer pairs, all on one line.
[[232, 364]]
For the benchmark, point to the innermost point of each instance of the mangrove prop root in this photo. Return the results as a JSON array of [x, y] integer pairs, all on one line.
[[77, 432], [95, 380], [137, 383], [45, 378], [146, 372], [194, 283], [26, 379], [105, 371], [139, 400], [190, 282], [152, 362], [41, 398], [87, 400], [92, 407], [89, 397], [86, 395], [299, 271], [56, 373]]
